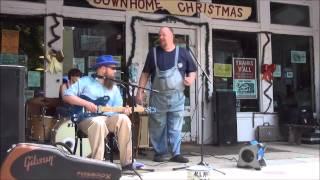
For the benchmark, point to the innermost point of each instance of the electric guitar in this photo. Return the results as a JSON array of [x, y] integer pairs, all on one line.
[[80, 112]]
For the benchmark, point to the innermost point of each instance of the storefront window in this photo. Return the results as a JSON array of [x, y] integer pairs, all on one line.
[[84, 41], [289, 14], [22, 43], [228, 45], [246, 3], [293, 76]]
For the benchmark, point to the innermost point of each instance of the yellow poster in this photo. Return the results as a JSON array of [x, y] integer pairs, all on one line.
[[222, 70], [9, 41]]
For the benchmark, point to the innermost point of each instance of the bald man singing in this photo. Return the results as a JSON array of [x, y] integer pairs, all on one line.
[[170, 68]]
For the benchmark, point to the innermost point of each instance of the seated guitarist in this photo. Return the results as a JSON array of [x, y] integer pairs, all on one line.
[[97, 127]]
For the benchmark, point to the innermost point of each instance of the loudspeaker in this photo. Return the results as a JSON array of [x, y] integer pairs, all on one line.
[[38, 161], [252, 156], [12, 112], [225, 120]]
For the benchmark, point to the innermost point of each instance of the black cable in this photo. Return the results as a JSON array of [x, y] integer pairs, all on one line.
[[265, 44], [230, 159], [262, 62], [269, 98], [158, 164], [136, 172], [55, 36]]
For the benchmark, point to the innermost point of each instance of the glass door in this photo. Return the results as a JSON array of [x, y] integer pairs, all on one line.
[[183, 38]]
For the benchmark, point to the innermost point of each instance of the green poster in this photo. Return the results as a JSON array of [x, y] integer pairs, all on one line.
[[245, 88], [298, 57], [222, 70], [33, 79]]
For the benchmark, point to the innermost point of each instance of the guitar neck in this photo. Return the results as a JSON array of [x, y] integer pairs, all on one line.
[[118, 109]]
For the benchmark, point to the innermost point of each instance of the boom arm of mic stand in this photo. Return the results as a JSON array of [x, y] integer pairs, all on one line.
[[126, 84], [199, 65]]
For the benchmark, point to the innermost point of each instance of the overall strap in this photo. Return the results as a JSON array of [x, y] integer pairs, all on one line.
[[155, 59], [176, 56]]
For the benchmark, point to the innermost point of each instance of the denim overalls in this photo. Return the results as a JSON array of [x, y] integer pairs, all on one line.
[[166, 124]]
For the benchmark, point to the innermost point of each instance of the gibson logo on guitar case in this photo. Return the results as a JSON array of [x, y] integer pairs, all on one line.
[[31, 161]]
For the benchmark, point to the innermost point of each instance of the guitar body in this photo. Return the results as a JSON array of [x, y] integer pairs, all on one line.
[[79, 111]]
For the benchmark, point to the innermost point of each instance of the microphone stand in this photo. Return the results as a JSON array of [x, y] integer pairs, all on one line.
[[126, 85], [204, 76]]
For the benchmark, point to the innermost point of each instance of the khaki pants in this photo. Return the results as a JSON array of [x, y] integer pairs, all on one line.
[[97, 129]]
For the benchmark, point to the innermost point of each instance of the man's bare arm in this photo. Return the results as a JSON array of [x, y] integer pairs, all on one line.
[[142, 83], [188, 80], [75, 100]]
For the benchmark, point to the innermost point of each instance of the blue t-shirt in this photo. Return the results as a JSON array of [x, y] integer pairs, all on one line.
[[93, 89], [165, 61]]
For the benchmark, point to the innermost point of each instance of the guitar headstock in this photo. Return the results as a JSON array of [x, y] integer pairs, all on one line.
[[150, 110]]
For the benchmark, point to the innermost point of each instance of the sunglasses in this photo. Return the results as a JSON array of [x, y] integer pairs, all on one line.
[[111, 67]]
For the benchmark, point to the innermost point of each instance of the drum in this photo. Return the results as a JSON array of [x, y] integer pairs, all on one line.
[[64, 131], [40, 127]]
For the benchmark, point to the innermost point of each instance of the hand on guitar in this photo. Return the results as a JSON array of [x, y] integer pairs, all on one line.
[[127, 110], [90, 106]]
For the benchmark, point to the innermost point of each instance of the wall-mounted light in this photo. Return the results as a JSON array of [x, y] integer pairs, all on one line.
[[39, 69]]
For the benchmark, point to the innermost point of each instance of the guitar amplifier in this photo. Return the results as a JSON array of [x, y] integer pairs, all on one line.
[[37, 161], [267, 132]]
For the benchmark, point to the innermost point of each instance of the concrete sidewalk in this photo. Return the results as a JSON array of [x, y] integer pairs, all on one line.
[[289, 162]]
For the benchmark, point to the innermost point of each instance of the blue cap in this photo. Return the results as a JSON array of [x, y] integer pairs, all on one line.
[[105, 60]]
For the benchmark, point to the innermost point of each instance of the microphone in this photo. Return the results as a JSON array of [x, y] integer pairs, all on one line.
[[96, 76], [121, 83]]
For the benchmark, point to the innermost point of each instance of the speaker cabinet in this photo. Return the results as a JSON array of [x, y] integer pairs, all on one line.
[[225, 120], [252, 156], [12, 112]]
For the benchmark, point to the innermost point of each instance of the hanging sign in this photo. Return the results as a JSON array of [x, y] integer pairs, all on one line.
[[244, 78], [177, 7], [298, 57], [9, 41]]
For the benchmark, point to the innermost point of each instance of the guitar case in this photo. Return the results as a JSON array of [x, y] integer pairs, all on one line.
[[38, 161]]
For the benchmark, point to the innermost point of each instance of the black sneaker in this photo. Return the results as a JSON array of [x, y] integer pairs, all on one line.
[[179, 158], [127, 170], [127, 167], [158, 158]]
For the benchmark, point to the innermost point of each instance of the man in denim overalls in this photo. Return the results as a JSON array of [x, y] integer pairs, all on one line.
[[171, 69]]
